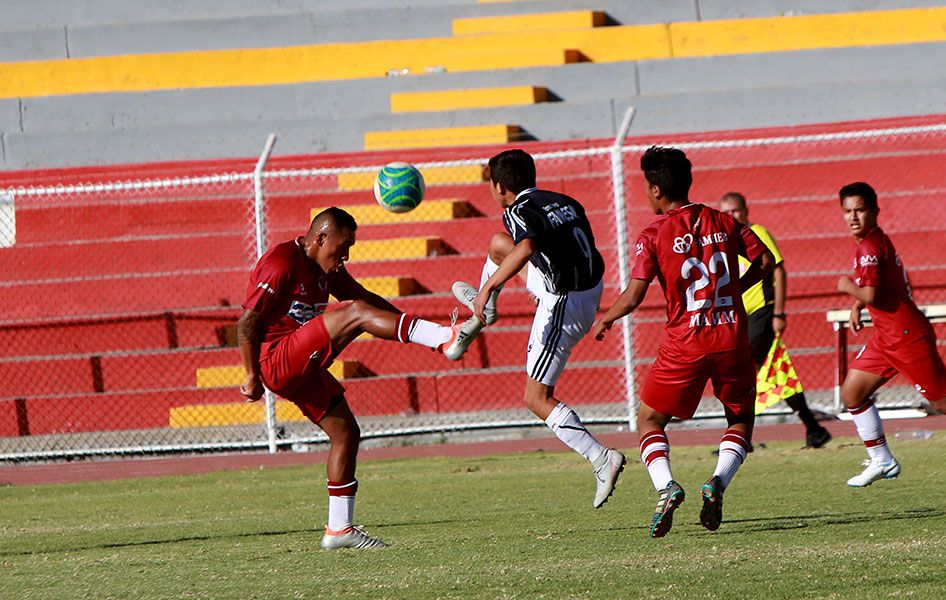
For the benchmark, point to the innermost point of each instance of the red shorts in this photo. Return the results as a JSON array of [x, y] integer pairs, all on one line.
[[676, 381], [918, 361], [296, 368]]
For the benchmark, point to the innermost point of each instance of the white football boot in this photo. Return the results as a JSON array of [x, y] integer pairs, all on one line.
[[874, 471], [606, 476], [463, 336], [353, 537], [466, 295]]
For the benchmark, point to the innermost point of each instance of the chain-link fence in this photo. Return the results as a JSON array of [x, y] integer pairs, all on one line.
[[119, 300]]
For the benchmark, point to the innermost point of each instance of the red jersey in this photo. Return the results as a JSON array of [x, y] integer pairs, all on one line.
[[289, 289], [694, 252], [896, 317]]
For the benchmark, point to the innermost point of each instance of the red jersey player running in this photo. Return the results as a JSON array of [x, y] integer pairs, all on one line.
[[289, 336], [693, 251], [904, 340]]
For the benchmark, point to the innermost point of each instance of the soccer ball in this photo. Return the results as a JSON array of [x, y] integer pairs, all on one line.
[[399, 187]]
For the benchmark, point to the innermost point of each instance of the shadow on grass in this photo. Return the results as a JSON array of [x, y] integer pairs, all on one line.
[[792, 522], [205, 538], [787, 522]]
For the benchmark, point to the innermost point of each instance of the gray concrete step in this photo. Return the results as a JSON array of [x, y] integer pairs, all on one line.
[[106, 29], [656, 114]]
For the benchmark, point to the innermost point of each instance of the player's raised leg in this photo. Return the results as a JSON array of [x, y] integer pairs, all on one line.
[[352, 318], [856, 393], [500, 246], [344, 436], [655, 454]]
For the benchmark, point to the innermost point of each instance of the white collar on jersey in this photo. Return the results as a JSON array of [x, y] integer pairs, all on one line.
[[525, 191]]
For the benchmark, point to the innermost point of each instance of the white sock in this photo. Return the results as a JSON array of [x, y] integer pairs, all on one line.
[[655, 453], [419, 331], [733, 449], [568, 427], [489, 267], [871, 429], [341, 509]]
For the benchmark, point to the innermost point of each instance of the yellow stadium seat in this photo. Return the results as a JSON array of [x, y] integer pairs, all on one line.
[[469, 98], [232, 375], [231, 413], [433, 176], [485, 52], [576, 19], [396, 248], [444, 136], [516, 58], [427, 211]]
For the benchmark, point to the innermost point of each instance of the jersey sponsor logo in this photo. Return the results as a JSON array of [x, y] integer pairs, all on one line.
[[640, 248], [302, 313], [559, 215], [723, 317], [869, 260], [266, 287], [682, 245], [714, 238]]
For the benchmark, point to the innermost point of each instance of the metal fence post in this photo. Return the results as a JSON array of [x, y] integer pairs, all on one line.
[[261, 246], [620, 235]]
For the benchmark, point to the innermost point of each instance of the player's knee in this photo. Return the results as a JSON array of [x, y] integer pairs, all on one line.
[[500, 245], [360, 311], [349, 437]]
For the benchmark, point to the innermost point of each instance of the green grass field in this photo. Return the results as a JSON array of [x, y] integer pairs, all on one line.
[[509, 526]]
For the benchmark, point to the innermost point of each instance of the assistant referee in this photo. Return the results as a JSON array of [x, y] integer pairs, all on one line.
[[765, 306]]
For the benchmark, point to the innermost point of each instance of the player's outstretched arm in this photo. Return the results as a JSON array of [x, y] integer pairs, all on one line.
[[248, 340], [629, 299], [511, 264]]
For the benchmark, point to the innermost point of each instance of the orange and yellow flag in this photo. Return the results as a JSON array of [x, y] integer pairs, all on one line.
[[776, 379]]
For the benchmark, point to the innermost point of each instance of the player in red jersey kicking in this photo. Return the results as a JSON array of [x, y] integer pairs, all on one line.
[[693, 251], [289, 336], [903, 341]]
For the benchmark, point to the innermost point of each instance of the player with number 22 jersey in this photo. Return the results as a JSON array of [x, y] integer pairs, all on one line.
[[693, 251]]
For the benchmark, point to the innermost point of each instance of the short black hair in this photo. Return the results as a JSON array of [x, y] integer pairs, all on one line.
[[669, 169], [859, 188], [336, 217], [515, 169]]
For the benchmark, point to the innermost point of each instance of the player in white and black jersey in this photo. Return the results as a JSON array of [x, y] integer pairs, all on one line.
[[551, 234]]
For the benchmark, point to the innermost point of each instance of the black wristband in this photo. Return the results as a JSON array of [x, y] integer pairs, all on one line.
[[779, 316]]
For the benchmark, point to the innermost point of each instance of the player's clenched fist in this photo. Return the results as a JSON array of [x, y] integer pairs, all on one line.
[[599, 328], [252, 388]]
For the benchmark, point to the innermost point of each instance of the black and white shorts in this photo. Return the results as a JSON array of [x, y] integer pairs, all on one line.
[[561, 320]]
